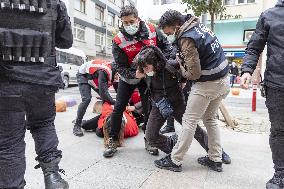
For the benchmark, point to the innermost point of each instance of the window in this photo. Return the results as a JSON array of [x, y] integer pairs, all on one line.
[[79, 32], [80, 5], [99, 13], [229, 2], [110, 18], [167, 2], [109, 42], [156, 2], [119, 23], [75, 60], [61, 57], [238, 2], [99, 39]]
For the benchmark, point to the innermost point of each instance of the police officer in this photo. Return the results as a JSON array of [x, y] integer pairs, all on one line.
[[126, 45], [97, 75], [204, 62], [270, 31], [29, 78]]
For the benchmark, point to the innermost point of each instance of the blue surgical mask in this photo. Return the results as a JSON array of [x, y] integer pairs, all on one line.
[[132, 29]]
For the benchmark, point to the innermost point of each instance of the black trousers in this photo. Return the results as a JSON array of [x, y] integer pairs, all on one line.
[[92, 125], [275, 105], [124, 93], [25, 106], [86, 96], [185, 91], [156, 121]]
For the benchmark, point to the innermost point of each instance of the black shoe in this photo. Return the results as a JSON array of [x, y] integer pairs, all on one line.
[[166, 163], [77, 131], [152, 150], [111, 148], [215, 166], [167, 129], [173, 140], [52, 178], [277, 181], [226, 158]]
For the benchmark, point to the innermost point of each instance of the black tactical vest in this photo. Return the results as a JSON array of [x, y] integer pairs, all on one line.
[[27, 30], [211, 55]]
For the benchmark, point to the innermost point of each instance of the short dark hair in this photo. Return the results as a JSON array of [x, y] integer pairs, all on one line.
[[128, 10], [171, 18], [149, 56]]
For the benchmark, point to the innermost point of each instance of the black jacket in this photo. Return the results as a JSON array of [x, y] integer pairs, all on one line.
[[121, 60], [172, 87], [47, 73], [103, 89], [234, 70], [270, 31]]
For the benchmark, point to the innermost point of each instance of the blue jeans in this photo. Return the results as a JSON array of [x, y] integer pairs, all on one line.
[[232, 80], [25, 106]]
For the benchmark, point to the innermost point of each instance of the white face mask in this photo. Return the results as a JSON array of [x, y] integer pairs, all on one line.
[[132, 29], [150, 74], [171, 38]]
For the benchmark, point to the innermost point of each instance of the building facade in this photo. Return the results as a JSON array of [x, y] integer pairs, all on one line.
[[94, 22], [153, 9], [237, 25]]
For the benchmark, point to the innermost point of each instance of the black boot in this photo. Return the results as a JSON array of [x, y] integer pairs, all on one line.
[[167, 129], [111, 148], [215, 166], [77, 131], [277, 181], [52, 178], [152, 150], [226, 158], [168, 164]]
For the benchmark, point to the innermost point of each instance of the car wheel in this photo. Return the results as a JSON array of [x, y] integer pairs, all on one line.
[[66, 82]]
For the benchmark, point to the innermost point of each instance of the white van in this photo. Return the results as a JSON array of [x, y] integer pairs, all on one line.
[[70, 60]]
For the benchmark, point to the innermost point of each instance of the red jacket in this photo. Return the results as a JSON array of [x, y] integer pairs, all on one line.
[[131, 127], [95, 65], [132, 48]]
